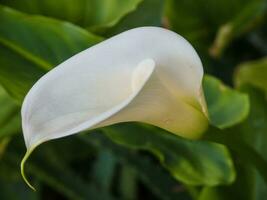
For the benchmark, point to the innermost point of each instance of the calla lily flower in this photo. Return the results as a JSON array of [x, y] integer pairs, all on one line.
[[147, 74]]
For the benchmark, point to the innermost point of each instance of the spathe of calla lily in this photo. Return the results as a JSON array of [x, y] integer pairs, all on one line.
[[147, 74]]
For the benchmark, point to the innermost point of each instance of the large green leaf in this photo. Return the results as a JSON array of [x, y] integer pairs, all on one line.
[[192, 162], [199, 20], [31, 45], [226, 106], [91, 14]]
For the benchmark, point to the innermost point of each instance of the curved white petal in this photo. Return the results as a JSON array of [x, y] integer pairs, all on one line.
[[145, 74]]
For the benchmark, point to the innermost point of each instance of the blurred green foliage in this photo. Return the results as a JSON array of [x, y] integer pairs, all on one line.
[[132, 160]]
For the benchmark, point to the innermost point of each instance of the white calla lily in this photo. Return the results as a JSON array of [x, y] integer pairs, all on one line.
[[146, 74]]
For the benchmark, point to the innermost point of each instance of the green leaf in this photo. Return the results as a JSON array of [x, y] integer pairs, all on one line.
[[226, 106], [9, 115], [91, 14], [253, 73], [191, 162], [199, 20], [31, 45]]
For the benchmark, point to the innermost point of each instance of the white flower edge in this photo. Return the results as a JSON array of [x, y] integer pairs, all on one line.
[[147, 74]]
